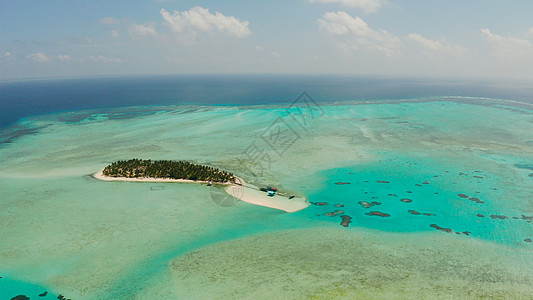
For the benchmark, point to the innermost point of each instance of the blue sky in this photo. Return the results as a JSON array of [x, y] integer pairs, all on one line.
[[417, 38]]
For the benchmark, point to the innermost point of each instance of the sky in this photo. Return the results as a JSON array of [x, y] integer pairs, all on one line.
[[400, 38]]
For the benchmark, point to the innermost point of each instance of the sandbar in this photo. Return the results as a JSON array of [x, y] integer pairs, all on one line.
[[253, 195]]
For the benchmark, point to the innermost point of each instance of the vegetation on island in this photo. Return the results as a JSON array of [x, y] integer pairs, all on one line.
[[140, 168]]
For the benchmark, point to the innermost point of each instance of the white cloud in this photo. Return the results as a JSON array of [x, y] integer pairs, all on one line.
[[64, 58], [109, 21], [200, 19], [7, 54], [39, 57], [358, 33], [114, 33], [367, 6], [432, 46], [508, 47], [138, 31], [103, 59]]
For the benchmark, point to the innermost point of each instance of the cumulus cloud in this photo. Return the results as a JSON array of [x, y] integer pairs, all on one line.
[[39, 57], [7, 54], [432, 46], [199, 19], [368, 6], [358, 33], [508, 47], [64, 58], [109, 21], [104, 59], [138, 31], [114, 33]]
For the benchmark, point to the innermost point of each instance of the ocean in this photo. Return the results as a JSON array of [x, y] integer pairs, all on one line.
[[418, 188], [19, 99]]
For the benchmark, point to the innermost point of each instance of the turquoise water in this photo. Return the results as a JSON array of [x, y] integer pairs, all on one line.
[[430, 186], [86, 239], [11, 288]]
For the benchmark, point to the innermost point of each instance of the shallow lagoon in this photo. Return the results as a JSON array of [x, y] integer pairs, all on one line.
[[86, 239]]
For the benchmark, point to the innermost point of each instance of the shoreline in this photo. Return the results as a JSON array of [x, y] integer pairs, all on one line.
[[100, 175], [240, 190]]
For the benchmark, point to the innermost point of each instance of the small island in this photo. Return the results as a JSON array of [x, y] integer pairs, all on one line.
[[167, 169], [141, 170]]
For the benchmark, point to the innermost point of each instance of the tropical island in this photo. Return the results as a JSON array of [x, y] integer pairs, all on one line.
[[141, 170], [168, 169]]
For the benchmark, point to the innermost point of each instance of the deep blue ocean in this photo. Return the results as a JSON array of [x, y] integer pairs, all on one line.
[[19, 99]]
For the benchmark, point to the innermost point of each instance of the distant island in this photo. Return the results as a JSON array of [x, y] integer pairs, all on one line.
[[167, 169]]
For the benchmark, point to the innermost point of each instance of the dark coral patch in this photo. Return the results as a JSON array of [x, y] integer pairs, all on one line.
[[447, 230], [480, 215], [365, 204], [414, 212], [527, 240], [382, 181], [462, 195], [346, 220], [341, 183], [528, 218], [378, 213], [477, 200], [498, 217], [332, 214], [20, 297], [319, 203], [406, 200], [43, 294]]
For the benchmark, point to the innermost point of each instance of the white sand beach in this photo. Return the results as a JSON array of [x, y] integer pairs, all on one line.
[[241, 191], [100, 175]]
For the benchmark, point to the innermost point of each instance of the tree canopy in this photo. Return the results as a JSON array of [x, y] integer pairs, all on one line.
[[141, 168]]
